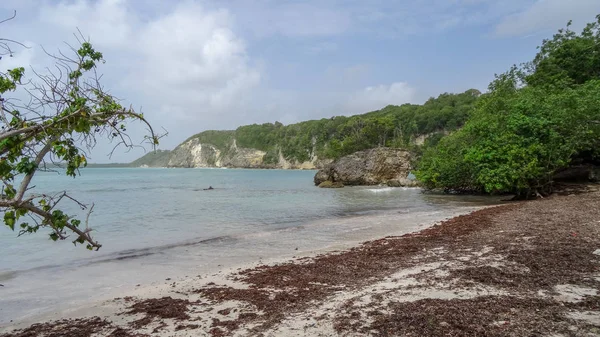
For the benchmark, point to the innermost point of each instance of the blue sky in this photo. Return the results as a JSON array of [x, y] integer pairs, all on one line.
[[193, 65]]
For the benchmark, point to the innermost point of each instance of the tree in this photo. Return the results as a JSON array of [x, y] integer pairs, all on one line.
[[534, 121], [66, 111], [568, 59]]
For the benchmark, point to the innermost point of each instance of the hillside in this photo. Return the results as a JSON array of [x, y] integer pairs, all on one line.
[[312, 143], [158, 158]]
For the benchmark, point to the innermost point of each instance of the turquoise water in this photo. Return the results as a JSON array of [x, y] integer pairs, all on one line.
[[157, 223]]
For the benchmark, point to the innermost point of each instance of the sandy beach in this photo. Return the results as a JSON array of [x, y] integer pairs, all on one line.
[[520, 269]]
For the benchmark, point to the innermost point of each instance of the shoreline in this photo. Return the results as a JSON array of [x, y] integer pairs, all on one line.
[[109, 277], [510, 270], [422, 221]]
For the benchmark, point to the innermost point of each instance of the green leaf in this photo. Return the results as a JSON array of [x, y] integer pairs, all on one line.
[[9, 219]]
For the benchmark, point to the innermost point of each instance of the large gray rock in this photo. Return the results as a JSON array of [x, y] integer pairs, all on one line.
[[371, 167]]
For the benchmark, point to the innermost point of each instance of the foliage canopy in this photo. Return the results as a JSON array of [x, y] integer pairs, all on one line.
[[535, 120]]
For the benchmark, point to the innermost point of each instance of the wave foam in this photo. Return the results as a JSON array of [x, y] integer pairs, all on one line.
[[381, 190]]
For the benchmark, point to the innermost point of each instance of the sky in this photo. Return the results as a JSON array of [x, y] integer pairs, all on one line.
[[194, 65]]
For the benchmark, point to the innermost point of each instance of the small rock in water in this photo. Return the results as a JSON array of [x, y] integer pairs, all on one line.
[[1, 285]]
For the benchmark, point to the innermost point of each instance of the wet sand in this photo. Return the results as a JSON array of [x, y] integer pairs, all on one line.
[[522, 269]]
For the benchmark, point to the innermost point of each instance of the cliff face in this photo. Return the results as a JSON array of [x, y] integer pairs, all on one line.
[[194, 153], [371, 167]]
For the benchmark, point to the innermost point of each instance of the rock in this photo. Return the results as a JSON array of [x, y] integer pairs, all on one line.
[[194, 154], [323, 175], [371, 167], [331, 184], [242, 157]]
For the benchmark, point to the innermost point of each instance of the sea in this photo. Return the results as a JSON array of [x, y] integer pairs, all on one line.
[[158, 223]]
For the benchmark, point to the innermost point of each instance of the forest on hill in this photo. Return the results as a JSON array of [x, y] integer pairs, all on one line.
[[331, 138]]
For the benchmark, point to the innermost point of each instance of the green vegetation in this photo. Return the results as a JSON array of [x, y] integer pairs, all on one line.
[[158, 158], [395, 126], [536, 120]]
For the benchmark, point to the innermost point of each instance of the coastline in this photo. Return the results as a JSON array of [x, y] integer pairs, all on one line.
[[509, 270]]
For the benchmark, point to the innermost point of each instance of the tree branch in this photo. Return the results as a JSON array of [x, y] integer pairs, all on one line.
[[27, 180]]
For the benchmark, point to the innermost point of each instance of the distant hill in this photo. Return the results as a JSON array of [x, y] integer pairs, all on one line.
[[158, 158]]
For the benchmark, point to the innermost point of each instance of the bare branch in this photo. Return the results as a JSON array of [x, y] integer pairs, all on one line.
[[27, 180], [10, 18]]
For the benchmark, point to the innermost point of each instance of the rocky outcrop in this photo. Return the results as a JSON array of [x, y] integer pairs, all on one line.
[[193, 153], [371, 167], [241, 157]]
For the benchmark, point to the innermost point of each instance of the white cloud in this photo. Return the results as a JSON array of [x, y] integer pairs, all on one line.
[[377, 97], [265, 18], [548, 14], [192, 58], [107, 21]]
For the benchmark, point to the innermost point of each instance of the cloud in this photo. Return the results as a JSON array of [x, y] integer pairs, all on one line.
[[192, 58], [547, 14], [377, 97], [266, 18], [108, 22], [21, 57]]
